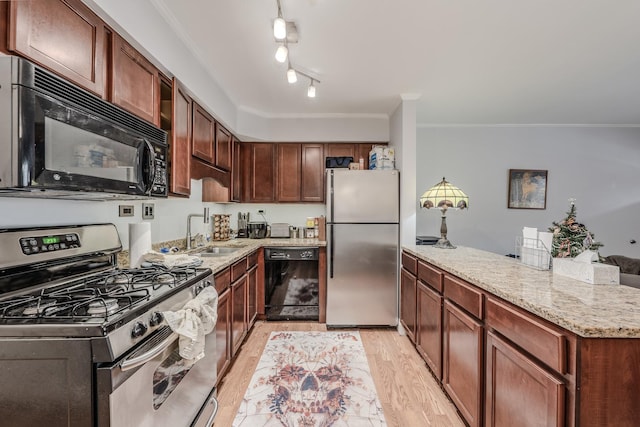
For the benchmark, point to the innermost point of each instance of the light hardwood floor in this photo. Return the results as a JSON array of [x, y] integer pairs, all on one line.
[[409, 394]]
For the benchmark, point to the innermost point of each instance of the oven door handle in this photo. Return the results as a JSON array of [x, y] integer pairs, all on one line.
[[134, 362]]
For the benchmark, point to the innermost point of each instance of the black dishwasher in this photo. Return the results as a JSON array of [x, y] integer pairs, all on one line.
[[291, 283]]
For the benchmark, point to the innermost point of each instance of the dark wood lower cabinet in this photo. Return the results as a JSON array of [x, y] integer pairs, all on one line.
[[222, 333], [252, 296], [408, 303], [238, 313], [519, 392], [429, 328], [462, 360]]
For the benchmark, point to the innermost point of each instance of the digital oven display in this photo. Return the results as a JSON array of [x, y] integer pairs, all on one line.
[[42, 244], [49, 240]]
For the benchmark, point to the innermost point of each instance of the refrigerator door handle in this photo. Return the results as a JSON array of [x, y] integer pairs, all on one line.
[[331, 216], [331, 250]]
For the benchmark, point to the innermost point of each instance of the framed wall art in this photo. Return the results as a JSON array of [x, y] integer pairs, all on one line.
[[527, 189]]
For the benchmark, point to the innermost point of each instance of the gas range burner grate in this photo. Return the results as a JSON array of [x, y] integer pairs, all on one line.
[[75, 304], [155, 276]]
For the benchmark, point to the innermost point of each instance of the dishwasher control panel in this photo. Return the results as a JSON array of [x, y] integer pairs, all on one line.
[[295, 254]]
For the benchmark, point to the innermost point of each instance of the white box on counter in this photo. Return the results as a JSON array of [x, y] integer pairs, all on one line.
[[595, 273]]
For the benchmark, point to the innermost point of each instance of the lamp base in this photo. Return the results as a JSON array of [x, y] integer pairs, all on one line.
[[444, 244]]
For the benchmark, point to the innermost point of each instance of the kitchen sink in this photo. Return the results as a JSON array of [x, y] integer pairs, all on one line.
[[214, 251]]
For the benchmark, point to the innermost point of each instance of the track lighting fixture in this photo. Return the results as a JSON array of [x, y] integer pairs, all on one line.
[[286, 33]]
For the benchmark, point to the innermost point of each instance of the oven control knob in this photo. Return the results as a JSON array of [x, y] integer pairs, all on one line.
[[156, 318], [139, 329]]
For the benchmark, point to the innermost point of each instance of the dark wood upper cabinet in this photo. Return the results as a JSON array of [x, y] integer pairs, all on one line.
[[312, 171], [289, 172], [236, 189], [203, 134], [180, 142], [64, 36], [258, 172], [135, 82], [341, 150], [223, 148], [300, 172]]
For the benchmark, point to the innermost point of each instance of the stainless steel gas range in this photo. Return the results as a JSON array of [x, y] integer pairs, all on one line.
[[83, 343]]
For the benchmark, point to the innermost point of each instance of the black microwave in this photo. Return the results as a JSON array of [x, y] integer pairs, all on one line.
[[61, 141]]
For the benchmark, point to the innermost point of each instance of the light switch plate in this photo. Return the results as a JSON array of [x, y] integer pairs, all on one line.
[[125, 210], [148, 210]]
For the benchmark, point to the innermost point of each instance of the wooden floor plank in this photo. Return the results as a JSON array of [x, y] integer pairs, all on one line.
[[409, 394]]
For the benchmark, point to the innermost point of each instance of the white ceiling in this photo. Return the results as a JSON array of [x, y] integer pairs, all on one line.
[[471, 62]]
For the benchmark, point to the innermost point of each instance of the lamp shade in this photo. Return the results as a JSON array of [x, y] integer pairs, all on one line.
[[443, 195]]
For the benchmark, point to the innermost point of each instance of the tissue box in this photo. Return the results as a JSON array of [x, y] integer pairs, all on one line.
[[594, 273], [381, 157]]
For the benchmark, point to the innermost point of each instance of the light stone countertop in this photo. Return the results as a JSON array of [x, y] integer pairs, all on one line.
[[245, 247], [601, 311], [219, 263]]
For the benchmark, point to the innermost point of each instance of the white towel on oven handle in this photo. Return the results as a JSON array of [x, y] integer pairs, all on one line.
[[193, 322]]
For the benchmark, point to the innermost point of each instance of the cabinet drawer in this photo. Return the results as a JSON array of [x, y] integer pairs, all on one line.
[[410, 263], [221, 280], [252, 259], [430, 275], [464, 295], [238, 269], [533, 335]]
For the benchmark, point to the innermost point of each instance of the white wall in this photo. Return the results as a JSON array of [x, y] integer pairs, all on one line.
[[598, 166], [403, 139]]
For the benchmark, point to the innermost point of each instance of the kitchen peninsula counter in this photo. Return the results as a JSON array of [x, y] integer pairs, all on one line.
[[595, 311]]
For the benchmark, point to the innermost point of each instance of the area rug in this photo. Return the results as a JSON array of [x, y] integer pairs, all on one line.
[[311, 379]]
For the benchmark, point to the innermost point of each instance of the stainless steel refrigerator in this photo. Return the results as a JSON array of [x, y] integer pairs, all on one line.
[[363, 210]]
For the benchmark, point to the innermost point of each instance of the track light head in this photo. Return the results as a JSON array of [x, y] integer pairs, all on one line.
[[279, 28], [282, 53], [311, 91], [291, 75]]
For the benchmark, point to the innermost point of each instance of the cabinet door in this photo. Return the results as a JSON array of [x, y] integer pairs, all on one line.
[[252, 296], [289, 172], [180, 142], [135, 82], [519, 391], [462, 362], [223, 148], [203, 134], [429, 328], [341, 150], [238, 313], [259, 175], [223, 333], [408, 303], [63, 36], [236, 192], [312, 171], [363, 153]]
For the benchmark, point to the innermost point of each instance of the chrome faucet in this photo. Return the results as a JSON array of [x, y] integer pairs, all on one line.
[[205, 215]]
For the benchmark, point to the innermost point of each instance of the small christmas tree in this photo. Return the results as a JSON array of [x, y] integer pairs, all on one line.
[[570, 238]]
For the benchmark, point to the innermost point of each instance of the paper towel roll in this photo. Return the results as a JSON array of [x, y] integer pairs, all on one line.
[[139, 242]]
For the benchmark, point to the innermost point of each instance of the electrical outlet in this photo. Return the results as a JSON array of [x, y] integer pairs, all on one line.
[[148, 210], [125, 210], [262, 212]]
